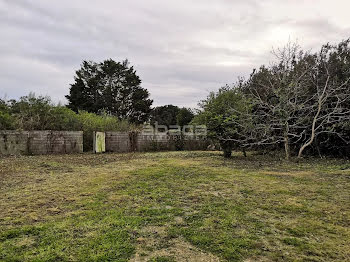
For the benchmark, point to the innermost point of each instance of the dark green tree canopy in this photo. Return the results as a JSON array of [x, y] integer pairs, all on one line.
[[184, 116], [110, 87], [165, 115]]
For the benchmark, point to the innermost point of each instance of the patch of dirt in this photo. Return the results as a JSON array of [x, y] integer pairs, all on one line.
[[155, 243], [255, 259], [25, 241], [288, 173]]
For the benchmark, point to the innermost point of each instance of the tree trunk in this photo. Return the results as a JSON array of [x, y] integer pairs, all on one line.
[[306, 145], [313, 131], [227, 153], [314, 121], [286, 146], [286, 141]]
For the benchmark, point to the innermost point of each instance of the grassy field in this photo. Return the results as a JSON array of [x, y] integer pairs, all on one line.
[[173, 206]]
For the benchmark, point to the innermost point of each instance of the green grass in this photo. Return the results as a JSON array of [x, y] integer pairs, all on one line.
[[173, 206]]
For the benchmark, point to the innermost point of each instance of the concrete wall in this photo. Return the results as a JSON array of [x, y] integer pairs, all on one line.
[[14, 142], [40, 142], [129, 142], [63, 142], [171, 143], [118, 142], [155, 143]]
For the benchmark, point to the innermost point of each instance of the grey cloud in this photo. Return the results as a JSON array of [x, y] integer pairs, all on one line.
[[182, 50], [314, 28]]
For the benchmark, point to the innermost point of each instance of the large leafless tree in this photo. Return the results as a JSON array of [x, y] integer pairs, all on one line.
[[297, 99], [330, 99]]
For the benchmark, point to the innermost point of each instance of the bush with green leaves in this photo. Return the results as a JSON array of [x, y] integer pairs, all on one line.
[[90, 122], [7, 121], [222, 112]]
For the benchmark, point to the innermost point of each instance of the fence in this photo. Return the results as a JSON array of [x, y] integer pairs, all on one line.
[[133, 141], [63, 142], [40, 142]]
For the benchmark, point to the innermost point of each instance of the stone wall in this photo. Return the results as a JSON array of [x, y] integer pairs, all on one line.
[[40, 142]]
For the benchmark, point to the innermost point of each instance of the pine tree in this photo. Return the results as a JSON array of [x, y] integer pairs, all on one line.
[[110, 87]]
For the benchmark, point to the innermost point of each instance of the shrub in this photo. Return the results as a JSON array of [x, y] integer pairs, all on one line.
[[31, 112], [90, 122], [63, 118], [7, 121]]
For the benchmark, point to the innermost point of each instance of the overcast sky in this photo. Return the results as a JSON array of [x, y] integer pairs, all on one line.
[[181, 49]]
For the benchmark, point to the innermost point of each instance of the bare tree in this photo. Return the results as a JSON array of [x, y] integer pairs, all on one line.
[[279, 97], [330, 101], [289, 103]]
